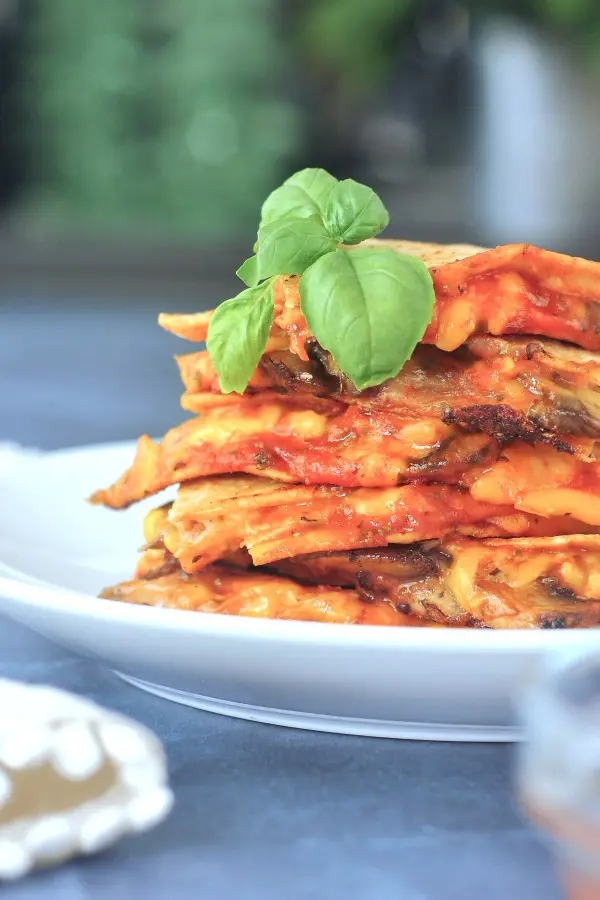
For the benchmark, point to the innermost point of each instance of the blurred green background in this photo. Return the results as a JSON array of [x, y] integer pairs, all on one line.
[[158, 117], [138, 137]]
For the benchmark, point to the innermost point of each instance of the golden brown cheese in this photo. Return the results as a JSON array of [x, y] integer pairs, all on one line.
[[543, 482], [512, 289], [356, 447], [522, 583], [219, 589], [346, 446], [549, 583], [556, 387], [507, 583]]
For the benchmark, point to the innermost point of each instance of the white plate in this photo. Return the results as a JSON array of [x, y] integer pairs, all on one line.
[[57, 552]]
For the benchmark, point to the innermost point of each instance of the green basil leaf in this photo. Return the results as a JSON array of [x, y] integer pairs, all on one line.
[[290, 245], [237, 335], [369, 307], [354, 212], [248, 271], [303, 194]]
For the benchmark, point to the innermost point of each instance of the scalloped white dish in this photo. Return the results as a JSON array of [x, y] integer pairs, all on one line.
[[57, 552]]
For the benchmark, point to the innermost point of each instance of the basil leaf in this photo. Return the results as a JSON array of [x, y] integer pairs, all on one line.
[[354, 212], [248, 272], [303, 194], [369, 307], [237, 335], [290, 245]]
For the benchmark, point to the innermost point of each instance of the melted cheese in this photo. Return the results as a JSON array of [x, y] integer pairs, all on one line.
[[253, 594], [357, 449], [214, 517], [555, 387], [543, 482], [518, 583], [528, 582], [512, 289], [347, 446]]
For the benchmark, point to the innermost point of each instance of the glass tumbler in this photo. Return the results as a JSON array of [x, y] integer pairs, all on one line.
[[558, 764]]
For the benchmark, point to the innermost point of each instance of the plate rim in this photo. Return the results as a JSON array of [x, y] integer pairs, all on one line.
[[83, 605], [331, 724], [86, 606]]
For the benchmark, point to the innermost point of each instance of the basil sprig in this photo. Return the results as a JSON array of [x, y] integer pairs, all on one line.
[[248, 272], [369, 306], [237, 335], [304, 194], [354, 212], [290, 245]]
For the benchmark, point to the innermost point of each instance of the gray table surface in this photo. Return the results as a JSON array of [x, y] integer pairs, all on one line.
[[261, 812]]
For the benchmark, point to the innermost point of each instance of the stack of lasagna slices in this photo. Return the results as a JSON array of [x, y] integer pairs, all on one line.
[[463, 492]]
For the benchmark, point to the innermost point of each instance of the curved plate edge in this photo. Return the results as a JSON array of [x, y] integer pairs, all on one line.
[[414, 731]]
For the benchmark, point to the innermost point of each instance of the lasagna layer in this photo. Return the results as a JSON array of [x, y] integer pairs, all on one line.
[[354, 447], [512, 289], [556, 387], [496, 583], [345, 446], [521, 583], [221, 589], [214, 517]]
